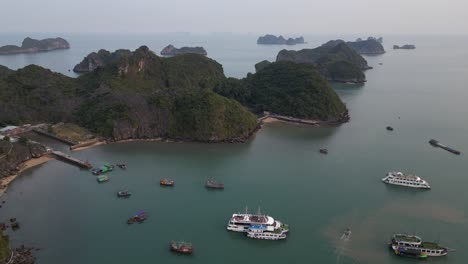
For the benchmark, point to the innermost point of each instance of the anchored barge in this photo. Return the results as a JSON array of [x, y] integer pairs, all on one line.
[[436, 143]]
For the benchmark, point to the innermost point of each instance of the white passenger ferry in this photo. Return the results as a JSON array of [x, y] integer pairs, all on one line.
[[242, 222], [267, 232], [414, 246], [408, 180]]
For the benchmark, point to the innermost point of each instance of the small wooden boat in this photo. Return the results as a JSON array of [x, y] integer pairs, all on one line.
[[140, 217], [102, 178], [212, 184], [123, 166], [181, 247], [323, 151], [166, 182], [124, 194]]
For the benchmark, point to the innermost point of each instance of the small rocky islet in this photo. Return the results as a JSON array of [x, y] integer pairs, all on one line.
[[406, 46], [170, 50], [30, 45]]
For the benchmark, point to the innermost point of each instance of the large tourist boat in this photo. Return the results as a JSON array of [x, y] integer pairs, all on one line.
[[242, 222], [414, 246], [407, 180], [266, 232]]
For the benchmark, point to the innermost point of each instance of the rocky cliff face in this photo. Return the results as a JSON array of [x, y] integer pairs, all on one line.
[[334, 59], [274, 40], [100, 59], [371, 46], [173, 51], [12, 154], [30, 45]]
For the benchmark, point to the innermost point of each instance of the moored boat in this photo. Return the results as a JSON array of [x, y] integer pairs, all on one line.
[[242, 222], [268, 232], [121, 165], [212, 184], [407, 180], [166, 182], [323, 151], [102, 170], [414, 246], [139, 217], [102, 178], [181, 247], [346, 234], [124, 194]]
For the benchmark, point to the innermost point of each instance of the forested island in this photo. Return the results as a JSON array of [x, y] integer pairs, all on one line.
[[274, 40], [138, 95], [30, 45], [335, 60], [370, 46], [170, 50]]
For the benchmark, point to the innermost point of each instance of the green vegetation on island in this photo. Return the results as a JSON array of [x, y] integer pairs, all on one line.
[[30, 45], [5, 252], [138, 95], [334, 59], [134, 95], [287, 88]]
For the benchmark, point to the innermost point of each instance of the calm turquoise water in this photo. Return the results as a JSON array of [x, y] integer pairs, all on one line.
[[421, 93]]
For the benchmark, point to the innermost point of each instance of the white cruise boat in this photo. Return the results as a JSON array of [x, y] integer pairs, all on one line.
[[267, 232], [408, 180], [242, 222]]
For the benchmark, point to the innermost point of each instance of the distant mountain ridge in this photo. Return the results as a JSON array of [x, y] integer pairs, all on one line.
[[30, 45], [274, 40]]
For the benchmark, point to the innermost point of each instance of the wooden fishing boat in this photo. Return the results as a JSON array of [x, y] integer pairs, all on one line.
[[166, 182], [181, 247], [212, 184]]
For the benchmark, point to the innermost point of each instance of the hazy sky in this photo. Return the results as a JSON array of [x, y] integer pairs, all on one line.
[[257, 16]]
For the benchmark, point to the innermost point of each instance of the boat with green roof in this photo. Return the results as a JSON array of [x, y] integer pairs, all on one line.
[[102, 178], [414, 246]]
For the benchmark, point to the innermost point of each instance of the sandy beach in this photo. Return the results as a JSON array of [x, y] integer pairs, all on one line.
[[97, 143], [4, 182]]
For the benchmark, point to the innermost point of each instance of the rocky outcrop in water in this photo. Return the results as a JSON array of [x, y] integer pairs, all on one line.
[[30, 45], [274, 40], [334, 59], [371, 46], [170, 50], [407, 46]]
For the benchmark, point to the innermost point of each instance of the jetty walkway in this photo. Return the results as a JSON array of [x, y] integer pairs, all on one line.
[[66, 157]]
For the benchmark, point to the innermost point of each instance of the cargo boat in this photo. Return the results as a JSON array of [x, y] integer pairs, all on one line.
[[436, 143]]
